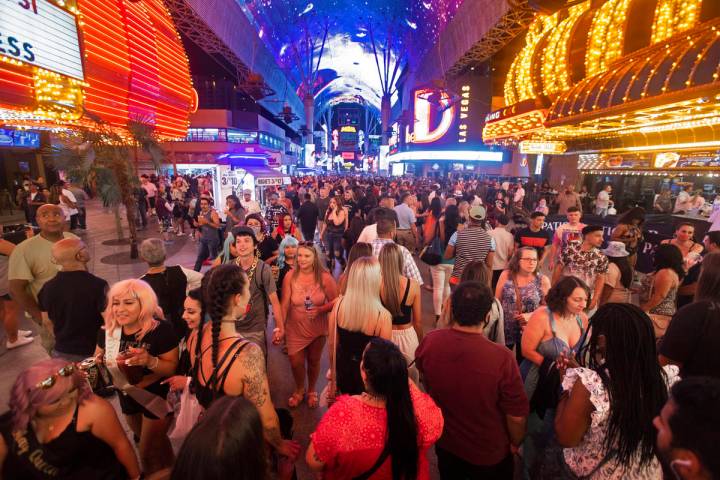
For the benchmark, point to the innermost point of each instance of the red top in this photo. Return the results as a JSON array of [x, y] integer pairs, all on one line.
[[476, 383], [351, 436]]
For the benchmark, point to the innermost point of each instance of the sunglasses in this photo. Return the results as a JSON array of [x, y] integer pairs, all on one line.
[[65, 371], [306, 243]]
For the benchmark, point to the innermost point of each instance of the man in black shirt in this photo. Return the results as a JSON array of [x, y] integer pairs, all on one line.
[[308, 215], [535, 236], [72, 303]]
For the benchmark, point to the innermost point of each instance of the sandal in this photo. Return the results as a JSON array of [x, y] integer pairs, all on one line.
[[312, 400], [295, 399]]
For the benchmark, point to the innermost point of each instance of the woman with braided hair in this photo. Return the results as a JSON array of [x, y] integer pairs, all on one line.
[[228, 364], [605, 417]]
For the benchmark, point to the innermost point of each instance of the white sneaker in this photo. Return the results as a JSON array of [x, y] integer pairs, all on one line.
[[19, 342], [180, 234], [25, 333]]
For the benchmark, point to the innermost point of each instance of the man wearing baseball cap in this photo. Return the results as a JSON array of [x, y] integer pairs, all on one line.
[[250, 205], [471, 244]]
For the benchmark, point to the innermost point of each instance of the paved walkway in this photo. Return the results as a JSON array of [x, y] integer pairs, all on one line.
[[112, 262]]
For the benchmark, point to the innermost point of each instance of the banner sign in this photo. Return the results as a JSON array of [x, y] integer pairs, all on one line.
[[40, 33]]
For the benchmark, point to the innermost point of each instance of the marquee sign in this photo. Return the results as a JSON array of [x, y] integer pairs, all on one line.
[[40, 33], [539, 147]]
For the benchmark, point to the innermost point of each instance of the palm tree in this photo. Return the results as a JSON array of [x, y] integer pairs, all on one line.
[[102, 158]]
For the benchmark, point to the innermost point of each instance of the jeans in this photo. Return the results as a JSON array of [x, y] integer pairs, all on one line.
[[334, 244], [601, 211], [82, 216], [453, 467], [441, 285], [208, 249]]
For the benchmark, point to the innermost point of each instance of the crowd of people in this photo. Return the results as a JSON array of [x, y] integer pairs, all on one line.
[[546, 356]]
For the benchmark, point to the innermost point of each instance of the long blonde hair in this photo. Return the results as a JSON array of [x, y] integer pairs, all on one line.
[[149, 308], [391, 267], [361, 302]]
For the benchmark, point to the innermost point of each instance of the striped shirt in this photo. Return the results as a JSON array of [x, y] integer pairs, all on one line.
[[410, 269], [472, 244]]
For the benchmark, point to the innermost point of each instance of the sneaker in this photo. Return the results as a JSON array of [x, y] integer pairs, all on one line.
[[19, 342], [180, 234], [25, 333]]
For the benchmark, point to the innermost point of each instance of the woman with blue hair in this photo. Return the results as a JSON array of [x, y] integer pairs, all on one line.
[[285, 261]]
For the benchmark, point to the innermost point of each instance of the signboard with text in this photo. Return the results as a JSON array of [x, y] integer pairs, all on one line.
[[40, 33]]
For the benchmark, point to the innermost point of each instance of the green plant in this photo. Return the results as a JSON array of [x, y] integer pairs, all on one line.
[[105, 160]]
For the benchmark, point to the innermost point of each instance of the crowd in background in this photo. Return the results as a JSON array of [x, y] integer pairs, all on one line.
[[548, 355]]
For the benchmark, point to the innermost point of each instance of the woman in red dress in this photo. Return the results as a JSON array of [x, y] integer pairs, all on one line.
[[388, 429]]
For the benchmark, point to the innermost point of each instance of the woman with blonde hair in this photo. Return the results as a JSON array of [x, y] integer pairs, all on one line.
[[356, 318], [140, 352], [401, 296], [309, 292]]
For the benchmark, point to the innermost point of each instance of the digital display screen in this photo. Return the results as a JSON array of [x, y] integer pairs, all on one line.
[[19, 139]]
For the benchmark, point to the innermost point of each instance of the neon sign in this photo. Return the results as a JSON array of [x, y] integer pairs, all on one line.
[[464, 112], [422, 128]]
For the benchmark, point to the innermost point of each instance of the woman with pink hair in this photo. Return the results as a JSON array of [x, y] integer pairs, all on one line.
[[57, 428], [140, 351]]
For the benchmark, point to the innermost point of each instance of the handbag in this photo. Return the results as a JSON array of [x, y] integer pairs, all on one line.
[[431, 254], [186, 416]]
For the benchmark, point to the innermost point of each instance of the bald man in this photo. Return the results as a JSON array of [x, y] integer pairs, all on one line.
[[31, 264], [72, 303]]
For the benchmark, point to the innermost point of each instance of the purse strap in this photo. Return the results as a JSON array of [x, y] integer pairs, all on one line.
[[378, 463]]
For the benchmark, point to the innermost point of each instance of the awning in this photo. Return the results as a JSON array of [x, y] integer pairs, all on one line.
[[265, 176], [682, 68]]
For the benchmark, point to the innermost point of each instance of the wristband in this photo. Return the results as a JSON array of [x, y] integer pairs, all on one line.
[[157, 361]]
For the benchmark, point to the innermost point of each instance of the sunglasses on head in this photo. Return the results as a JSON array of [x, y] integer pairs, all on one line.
[[306, 243], [65, 371]]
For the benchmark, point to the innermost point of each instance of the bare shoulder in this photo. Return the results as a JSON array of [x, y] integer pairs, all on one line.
[[94, 409]]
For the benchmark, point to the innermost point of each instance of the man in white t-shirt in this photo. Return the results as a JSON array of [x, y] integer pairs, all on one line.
[[150, 190], [519, 195], [602, 202], [571, 231], [683, 202], [251, 206], [67, 202], [504, 247]]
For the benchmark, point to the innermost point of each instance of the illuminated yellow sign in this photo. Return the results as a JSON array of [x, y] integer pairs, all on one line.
[[542, 147], [348, 128], [464, 112]]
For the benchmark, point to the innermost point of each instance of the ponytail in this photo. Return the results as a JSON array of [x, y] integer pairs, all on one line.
[[387, 376]]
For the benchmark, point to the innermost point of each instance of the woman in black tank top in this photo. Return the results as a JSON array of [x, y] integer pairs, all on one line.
[[227, 364], [406, 311], [73, 434]]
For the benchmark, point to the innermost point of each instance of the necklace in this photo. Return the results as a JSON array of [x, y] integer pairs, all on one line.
[[253, 267], [370, 398]]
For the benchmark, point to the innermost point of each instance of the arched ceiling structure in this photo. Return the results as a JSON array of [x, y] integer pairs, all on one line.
[[347, 64]]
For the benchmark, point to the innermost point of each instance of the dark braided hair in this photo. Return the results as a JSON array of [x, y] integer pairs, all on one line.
[[219, 284], [635, 382]]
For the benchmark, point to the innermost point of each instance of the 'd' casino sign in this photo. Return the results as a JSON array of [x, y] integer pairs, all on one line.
[[69, 62]]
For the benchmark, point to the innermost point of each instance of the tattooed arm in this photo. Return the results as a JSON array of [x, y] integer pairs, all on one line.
[[255, 389]]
